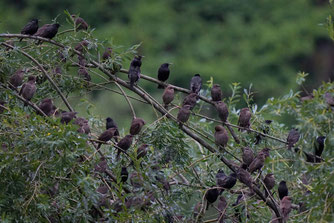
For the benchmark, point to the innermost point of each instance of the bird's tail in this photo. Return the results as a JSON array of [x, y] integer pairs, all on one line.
[[21, 39], [160, 86]]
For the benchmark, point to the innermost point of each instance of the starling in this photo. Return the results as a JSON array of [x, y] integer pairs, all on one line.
[[319, 145], [212, 195], [81, 46], [222, 204], [124, 144], [136, 62], [30, 28], [136, 126], [134, 75], [247, 155], [161, 179], [106, 136], [264, 151], [101, 166], [222, 111], [28, 89], [168, 96], [16, 79], [221, 136], [80, 23], [329, 99], [84, 73], [66, 117], [190, 100], [46, 106], [265, 130], [124, 174], [83, 125], [311, 158], [184, 114], [257, 163], [196, 84], [244, 177], [293, 138], [227, 182], [285, 207], [136, 180], [142, 151], [216, 93], [163, 73], [48, 30], [106, 54], [110, 123], [244, 118], [282, 190], [269, 182]]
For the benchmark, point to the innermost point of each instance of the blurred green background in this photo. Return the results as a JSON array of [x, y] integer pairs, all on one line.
[[262, 42]]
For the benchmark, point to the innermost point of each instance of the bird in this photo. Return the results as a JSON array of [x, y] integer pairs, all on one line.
[[46, 105], [257, 163], [142, 151], [226, 182], [196, 84], [134, 75], [136, 126], [168, 96], [329, 99], [222, 204], [222, 110], [292, 138], [83, 125], [163, 73], [2, 108], [244, 118], [136, 62], [311, 158], [124, 174], [285, 207], [30, 28], [244, 177], [124, 144], [48, 31], [191, 100], [136, 180], [106, 136], [183, 114], [106, 54], [110, 123], [221, 136], [101, 166], [163, 181], [66, 117], [269, 182], [80, 23], [216, 93], [211, 196], [16, 79], [28, 89], [247, 155], [319, 145], [81, 46], [264, 151], [265, 129], [82, 72], [282, 189]]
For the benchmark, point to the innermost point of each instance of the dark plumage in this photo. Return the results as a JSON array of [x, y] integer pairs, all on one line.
[[136, 126], [107, 54], [319, 145], [227, 182], [247, 155], [216, 93], [28, 89], [110, 123], [30, 28], [134, 75], [220, 176], [48, 31], [136, 62], [190, 100], [124, 174], [257, 163], [285, 207], [124, 144], [80, 23], [196, 83], [244, 118], [101, 166], [142, 151], [83, 125], [184, 114], [107, 135], [311, 158], [2, 108], [282, 189], [244, 177], [212, 195], [163, 73], [292, 138], [17, 78], [82, 72], [222, 111], [264, 151], [221, 136], [136, 180], [269, 181], [329, 99], [66, 117], [168, 96], [46, 106]]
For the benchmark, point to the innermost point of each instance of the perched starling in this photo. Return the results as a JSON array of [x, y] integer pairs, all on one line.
[[124, 174], [80, 23], [136, 126], [101, 166], [212, 195], [142, 151], [264, 151], [184, 114], [222, 111], [106, 136], [190, 100], [244, 118], [16, 79], [282, 190], [257, 163], [227, 182], [216, 93], [196, 84], [285, 207], [293, 138], [136, 62], [81, 46], [124, 144], [269, 182], [30, 28], [221, 136], [84, 73], [133, 201], [247, 155], [136, 180], [168, 96], [163, 73], [48, 30], [66, 117], [319, 145], [161, 179], [222, 204], [110, 123], [329, 99], [83, 125], [311, 158], [46, 106], [134, 75], [28, 89], [244, 177], [106, 54], [265, 130]]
